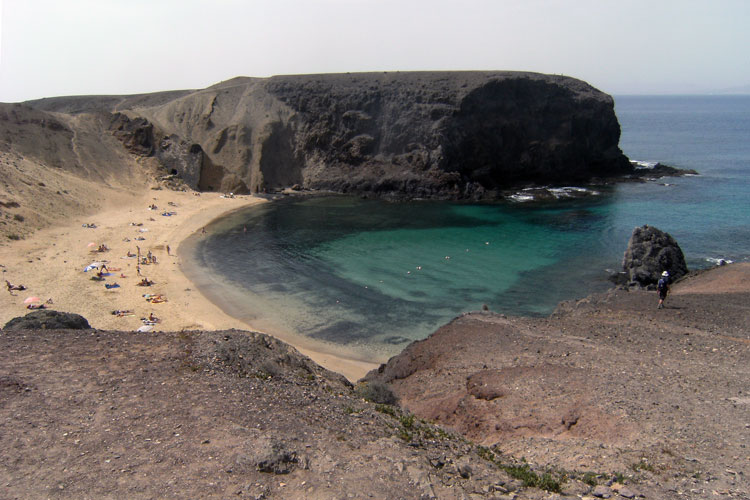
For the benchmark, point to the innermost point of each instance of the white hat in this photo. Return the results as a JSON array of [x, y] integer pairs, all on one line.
[[665, 273]]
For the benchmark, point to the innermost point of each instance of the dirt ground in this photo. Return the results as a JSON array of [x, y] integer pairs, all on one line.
[[606, 385]]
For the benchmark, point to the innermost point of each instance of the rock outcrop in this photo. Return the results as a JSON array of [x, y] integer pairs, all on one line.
[[47, 319], [650, 252], [422, 134]]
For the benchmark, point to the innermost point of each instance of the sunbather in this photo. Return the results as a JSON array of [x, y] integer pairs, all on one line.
[[12, 287], [145, 282]]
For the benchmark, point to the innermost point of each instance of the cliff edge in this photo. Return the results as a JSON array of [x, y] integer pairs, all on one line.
[[453, 135]]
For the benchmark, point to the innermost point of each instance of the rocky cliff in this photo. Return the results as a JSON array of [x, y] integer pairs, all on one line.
[[421, 134]]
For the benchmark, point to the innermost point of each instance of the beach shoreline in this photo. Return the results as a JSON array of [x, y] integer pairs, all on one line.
[[51, 262]]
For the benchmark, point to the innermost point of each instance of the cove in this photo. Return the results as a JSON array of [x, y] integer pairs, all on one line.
[[376, 275]]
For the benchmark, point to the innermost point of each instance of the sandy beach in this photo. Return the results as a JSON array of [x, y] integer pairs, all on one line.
[[51, 262]]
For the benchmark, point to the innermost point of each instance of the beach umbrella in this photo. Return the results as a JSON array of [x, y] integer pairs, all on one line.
[[29, 300], [93, 265], [91, 244]]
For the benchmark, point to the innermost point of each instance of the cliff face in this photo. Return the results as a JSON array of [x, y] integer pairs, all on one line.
[[438, 135]]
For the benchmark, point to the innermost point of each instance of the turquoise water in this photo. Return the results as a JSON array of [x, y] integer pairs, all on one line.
[[371, 273]]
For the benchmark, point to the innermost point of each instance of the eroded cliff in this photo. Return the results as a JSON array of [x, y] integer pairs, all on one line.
[[420, 134]]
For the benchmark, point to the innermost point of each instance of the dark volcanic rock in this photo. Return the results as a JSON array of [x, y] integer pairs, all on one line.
[[650, 252], [451, 135], [46, 319]]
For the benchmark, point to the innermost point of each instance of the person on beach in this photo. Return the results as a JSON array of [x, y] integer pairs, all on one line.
[[662, 287], [12, 287]]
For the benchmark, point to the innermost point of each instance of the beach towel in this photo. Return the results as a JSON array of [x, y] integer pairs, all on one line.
[[113, 285], [145, 328]]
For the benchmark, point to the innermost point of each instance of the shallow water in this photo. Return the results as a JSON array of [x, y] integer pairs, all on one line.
[[376, 275]]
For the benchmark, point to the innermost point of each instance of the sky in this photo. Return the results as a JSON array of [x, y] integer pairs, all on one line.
[[78, 47]]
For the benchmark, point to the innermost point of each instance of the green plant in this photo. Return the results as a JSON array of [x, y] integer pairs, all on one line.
[[404, 434], [19, 217], [376, 392], [642, 465], [590, 478], [387, 409], [525, 474], [522, 472], [407, 421]]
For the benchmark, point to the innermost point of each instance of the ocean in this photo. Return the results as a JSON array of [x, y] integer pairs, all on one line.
[[373, 275]]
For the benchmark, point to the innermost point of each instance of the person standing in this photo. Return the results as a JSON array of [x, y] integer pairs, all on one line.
[[662, 287]]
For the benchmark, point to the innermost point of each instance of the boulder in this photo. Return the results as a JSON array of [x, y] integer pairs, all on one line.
[[650, 252], [47, 319]]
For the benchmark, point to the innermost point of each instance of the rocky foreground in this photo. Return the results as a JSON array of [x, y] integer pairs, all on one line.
[[609, 398]]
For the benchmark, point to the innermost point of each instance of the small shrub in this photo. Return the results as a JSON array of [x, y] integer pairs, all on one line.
[[404, 434], [387, 409], [14, 237], [532, 479], [407, 421], [548, 483], [376, 392], [19, 217], [590, 478], [643, 465]]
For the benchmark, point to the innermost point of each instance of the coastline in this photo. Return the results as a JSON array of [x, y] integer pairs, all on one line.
[[50, 264]]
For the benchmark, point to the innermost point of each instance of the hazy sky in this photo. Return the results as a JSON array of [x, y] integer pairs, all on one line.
[[68, 47]]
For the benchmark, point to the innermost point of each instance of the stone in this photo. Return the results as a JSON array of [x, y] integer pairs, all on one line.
[[268, 455], [627, 492], [650, 252], [464, 469], [601, 491], [48, 319]]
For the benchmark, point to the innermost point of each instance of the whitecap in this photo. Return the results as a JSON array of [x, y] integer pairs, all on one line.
[[521, 198], [571, 191], [718, 261]]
